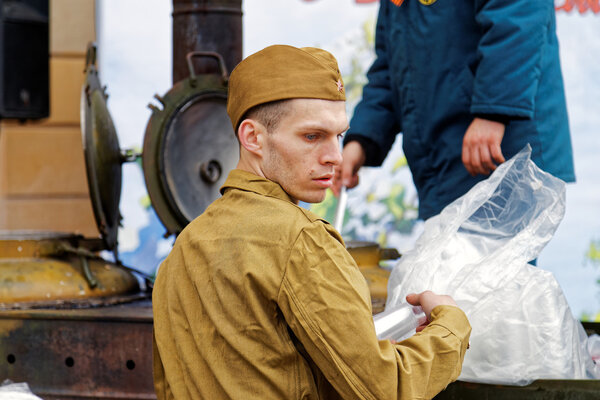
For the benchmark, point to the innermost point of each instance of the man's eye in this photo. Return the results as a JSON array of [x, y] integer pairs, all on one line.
[[311, 137]]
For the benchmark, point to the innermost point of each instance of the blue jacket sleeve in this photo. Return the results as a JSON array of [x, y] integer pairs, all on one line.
[[375, 117], [513, 35]]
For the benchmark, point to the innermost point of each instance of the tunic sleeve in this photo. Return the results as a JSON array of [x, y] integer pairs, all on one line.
[[325, 301]]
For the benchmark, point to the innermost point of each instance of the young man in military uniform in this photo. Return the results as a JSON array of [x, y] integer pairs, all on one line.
[[259, 297]]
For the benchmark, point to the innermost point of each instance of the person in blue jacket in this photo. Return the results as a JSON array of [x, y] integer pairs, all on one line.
[[468, 83]]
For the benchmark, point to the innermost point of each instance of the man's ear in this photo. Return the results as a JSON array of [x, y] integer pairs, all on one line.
[[250, 134]]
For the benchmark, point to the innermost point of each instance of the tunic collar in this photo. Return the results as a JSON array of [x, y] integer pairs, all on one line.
[[243, 180]]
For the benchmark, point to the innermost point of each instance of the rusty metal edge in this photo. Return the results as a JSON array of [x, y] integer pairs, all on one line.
[[98, 311]]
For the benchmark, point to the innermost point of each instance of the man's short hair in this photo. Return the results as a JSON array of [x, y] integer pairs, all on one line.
[[269, 114]]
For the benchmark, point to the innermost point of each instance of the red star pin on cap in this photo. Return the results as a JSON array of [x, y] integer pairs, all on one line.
[[340, 85]]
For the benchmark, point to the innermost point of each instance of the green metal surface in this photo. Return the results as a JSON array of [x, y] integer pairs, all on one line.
[[102, 153], [189, 148]]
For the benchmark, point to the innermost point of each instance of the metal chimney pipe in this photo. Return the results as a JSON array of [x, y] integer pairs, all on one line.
[[206, 25]]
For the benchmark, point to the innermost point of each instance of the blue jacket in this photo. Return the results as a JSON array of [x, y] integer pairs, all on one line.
[[439, 65]]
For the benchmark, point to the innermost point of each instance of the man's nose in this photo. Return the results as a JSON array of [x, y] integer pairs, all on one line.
[[332, 153]]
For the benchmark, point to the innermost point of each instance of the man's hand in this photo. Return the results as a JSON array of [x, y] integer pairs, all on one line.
[[481, 146], [428, 301], [346, 174]]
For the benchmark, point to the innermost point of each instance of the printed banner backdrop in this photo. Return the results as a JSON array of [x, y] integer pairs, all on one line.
[[135, 63]]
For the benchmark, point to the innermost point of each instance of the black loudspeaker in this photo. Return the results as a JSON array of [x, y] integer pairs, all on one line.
[[24, 59]]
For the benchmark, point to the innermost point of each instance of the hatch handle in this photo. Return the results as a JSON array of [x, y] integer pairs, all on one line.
[[87, 272], [90, 55], [211, 171], [217, 56], [129, 155]]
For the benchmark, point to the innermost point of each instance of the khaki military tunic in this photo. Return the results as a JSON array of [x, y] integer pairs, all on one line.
[[259, 299]]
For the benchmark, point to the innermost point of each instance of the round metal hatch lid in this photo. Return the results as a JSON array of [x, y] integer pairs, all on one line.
[[102, 153], [189, 149]]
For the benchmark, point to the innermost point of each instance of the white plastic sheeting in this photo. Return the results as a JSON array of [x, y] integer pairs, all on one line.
[[399, 322], [477, 250], [16, 391]]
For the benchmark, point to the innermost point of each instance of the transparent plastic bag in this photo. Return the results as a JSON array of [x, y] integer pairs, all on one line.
[[16, 391], [399, 322], [477, 250], [593, 346]]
